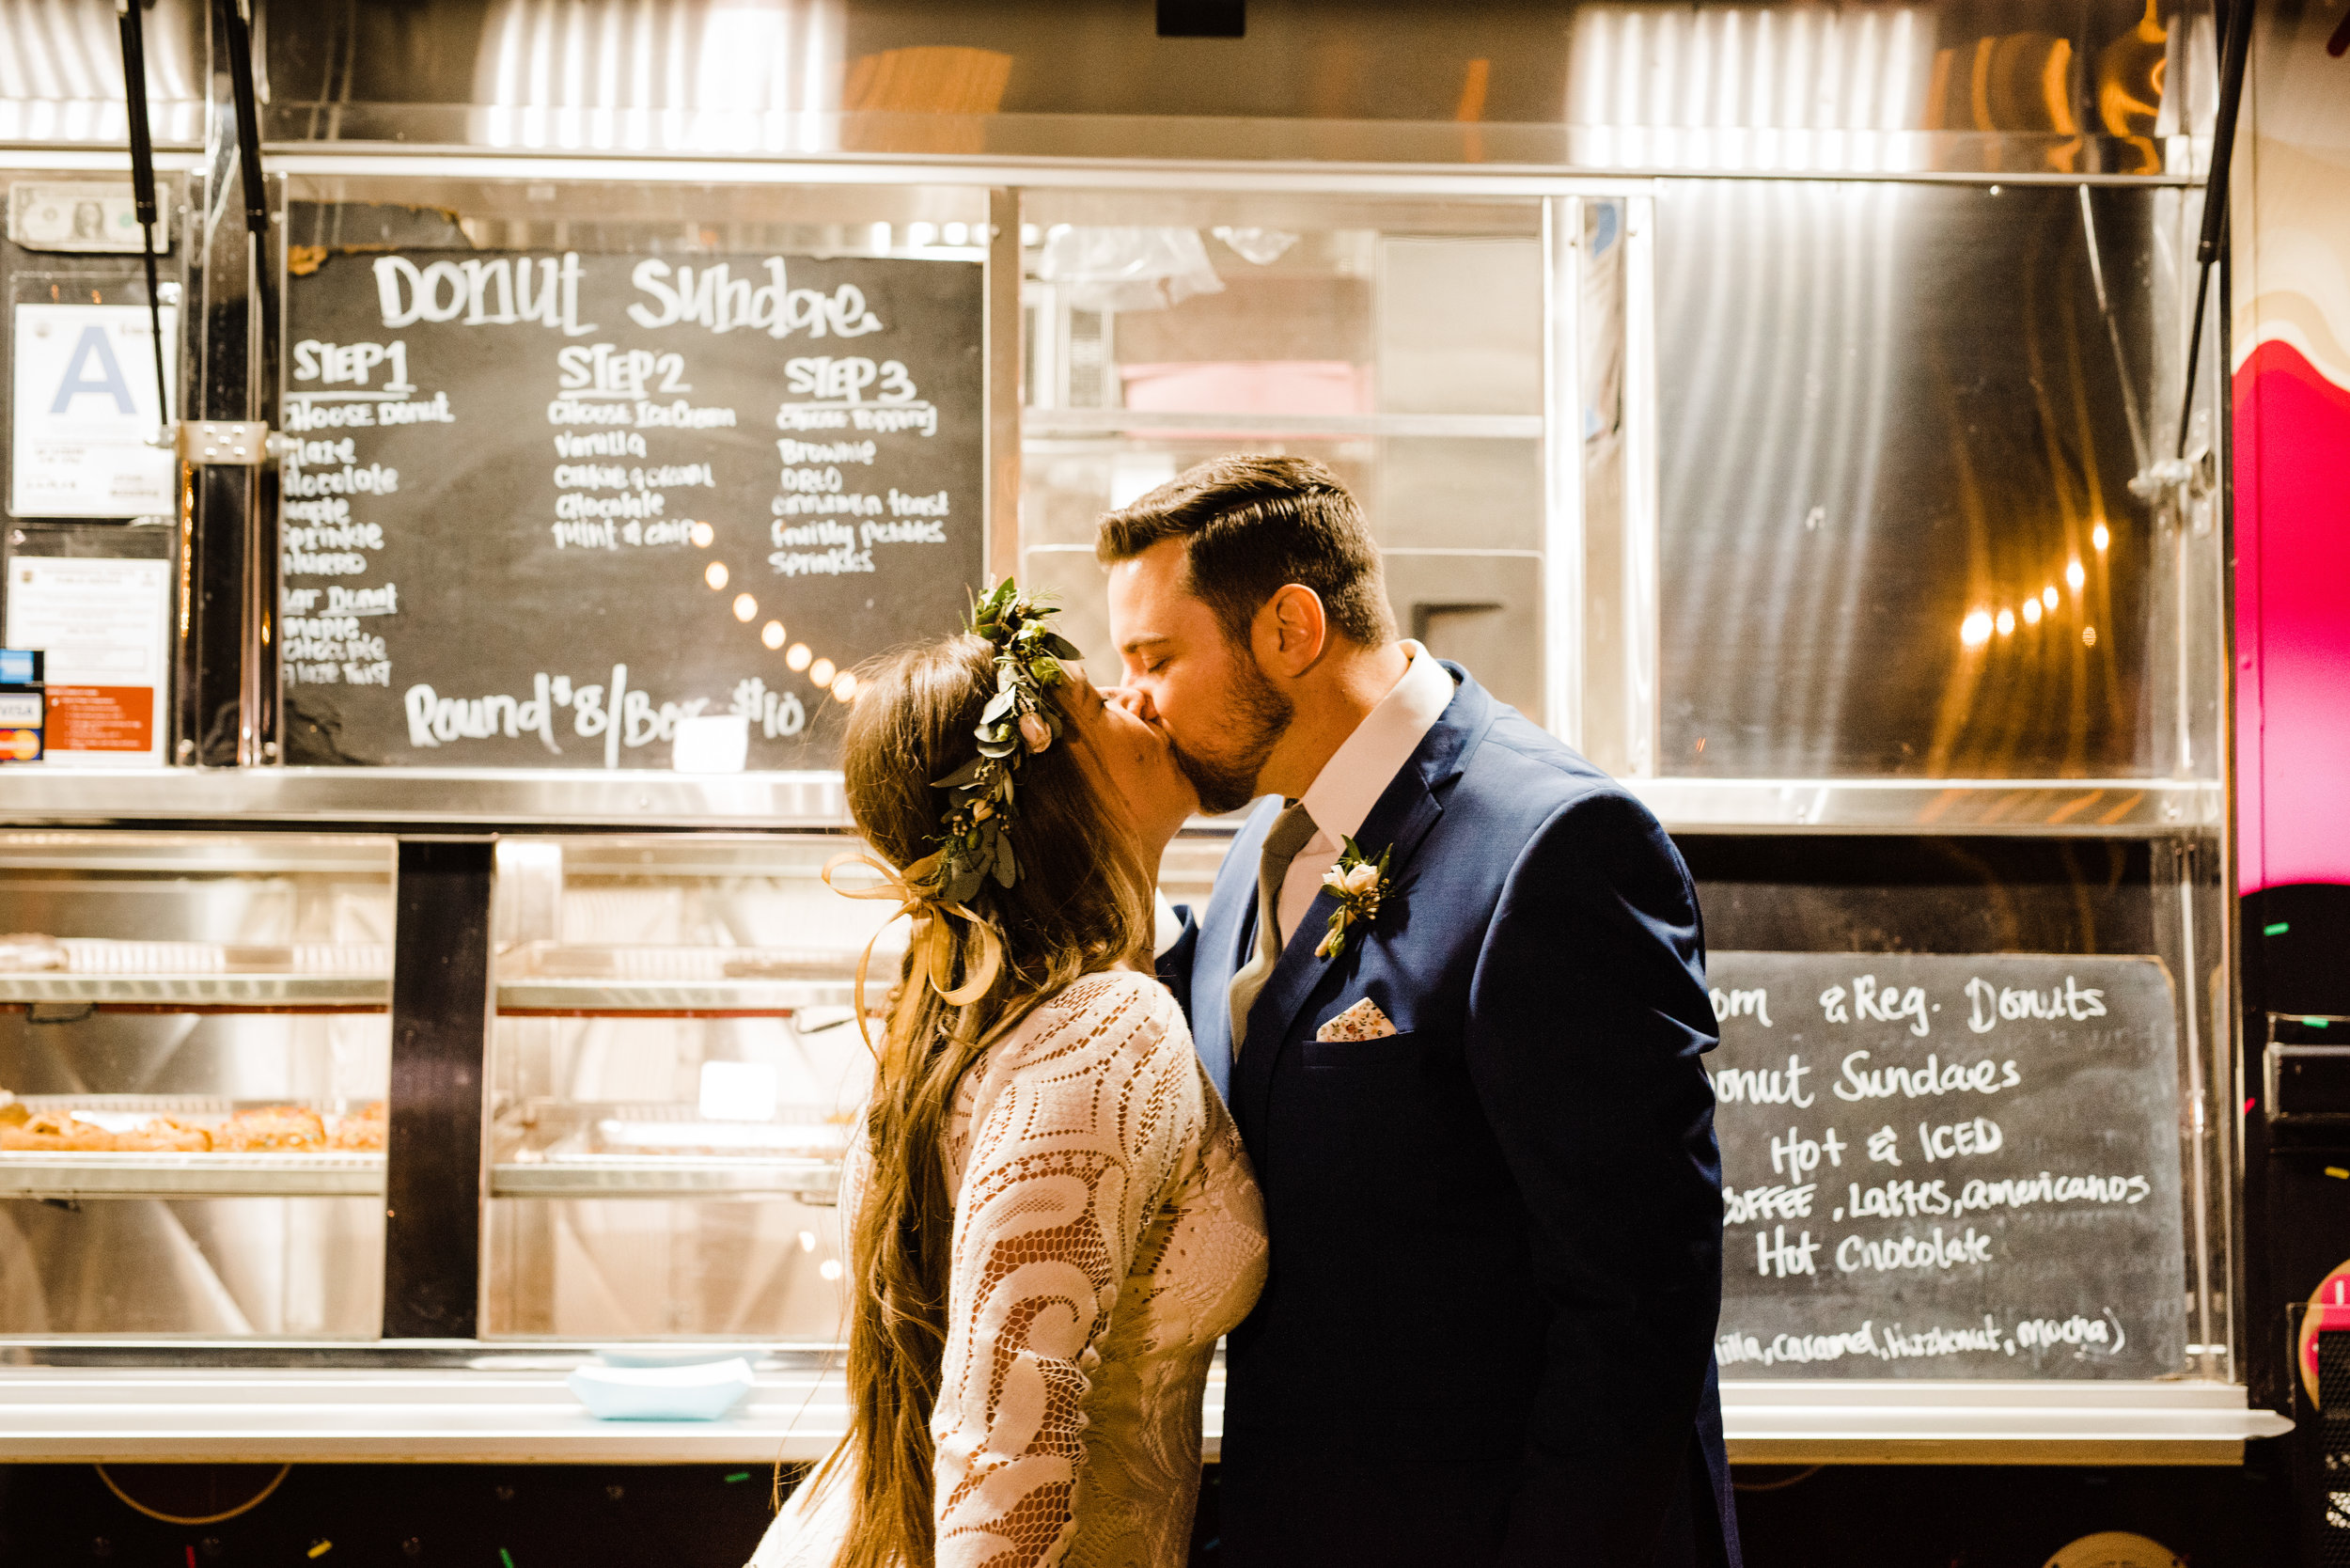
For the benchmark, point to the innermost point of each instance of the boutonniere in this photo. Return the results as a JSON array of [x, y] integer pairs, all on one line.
[[1361, 885]]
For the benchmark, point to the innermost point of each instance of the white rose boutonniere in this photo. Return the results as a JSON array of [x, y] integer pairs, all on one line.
[[1361, 885]]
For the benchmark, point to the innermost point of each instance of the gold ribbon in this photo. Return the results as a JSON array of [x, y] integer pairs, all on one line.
[[933, 941]]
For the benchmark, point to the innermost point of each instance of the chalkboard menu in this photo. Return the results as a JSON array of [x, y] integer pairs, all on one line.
[[549, 506], [1948, 1166]]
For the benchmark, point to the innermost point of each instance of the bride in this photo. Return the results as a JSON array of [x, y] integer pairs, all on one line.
[[1053, 1221]]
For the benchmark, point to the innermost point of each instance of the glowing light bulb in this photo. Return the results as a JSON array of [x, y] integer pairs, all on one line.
[[715, 574], [2089, 635], [772, 633], [2048, 596], [704, 535], [2074, 577], [844, 686], [1976, 629], [2100, 536], [745, 607], [829, 1268], [2007, 622], [821, 672], [2031, 612], [799, 656]]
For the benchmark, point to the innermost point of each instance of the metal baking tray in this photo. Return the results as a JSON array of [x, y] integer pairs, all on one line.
[[324, 1173], [640, 1151], [201, 992], [555, 979], [205, 976]]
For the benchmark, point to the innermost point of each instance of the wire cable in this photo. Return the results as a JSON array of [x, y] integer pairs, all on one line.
[[1779, 1485], [143, 178], [2231, 60], [255, 1501]]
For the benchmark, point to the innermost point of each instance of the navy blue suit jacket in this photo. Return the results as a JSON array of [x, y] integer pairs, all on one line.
[[1496, 1233]]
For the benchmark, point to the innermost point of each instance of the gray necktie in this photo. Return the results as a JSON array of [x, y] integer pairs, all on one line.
[[1291, 830]]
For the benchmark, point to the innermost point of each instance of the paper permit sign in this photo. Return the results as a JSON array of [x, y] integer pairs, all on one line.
[[105, 627], [85, 405]]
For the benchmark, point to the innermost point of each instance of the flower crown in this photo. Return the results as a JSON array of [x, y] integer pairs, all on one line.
[[975, 837]]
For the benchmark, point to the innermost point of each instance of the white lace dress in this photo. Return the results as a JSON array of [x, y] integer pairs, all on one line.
[[1107, 1231]]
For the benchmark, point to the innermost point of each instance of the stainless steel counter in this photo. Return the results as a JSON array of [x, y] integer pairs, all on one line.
[[513, 1408], [455, 800]]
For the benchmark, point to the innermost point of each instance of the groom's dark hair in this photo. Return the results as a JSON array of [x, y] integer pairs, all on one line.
[[1252, 524]]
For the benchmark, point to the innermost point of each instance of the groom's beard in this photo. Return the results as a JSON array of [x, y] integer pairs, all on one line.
[[1254, 722]]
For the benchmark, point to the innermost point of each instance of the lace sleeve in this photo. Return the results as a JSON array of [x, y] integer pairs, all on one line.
[[1076, 1135]]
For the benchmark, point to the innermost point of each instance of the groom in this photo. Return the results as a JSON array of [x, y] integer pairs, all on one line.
[[1484, 1139]]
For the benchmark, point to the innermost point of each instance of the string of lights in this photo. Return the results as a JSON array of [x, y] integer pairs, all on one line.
[[1980, 626], [799, 658]]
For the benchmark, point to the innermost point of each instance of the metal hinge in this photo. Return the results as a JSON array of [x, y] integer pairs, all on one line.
[[231, 443]]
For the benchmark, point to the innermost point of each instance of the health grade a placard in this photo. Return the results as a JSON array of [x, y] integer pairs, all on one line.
[[87, 406]]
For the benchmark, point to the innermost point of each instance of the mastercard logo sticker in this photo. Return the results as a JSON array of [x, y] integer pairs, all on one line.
[[19, 746]]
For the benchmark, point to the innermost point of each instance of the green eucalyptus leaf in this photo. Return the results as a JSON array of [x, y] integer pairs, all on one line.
[[1000, 704], [999, 748], [1061, 647], [963, 777], [1007, 869]]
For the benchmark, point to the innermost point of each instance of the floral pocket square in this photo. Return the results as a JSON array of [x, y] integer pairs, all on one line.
[[1363, 1021]]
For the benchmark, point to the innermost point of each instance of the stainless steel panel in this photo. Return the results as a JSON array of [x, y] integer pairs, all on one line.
[[210, 1266], [1897, 534], [1847, 86], [64, 73]]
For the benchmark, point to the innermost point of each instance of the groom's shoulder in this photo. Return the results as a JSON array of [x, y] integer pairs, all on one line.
[[1521, 770], [1525, 798]]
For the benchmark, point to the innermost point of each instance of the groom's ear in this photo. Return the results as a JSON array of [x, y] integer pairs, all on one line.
[[1291, 632]]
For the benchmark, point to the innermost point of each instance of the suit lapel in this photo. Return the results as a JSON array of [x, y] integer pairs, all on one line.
[[1227, 927], [1402, 816]]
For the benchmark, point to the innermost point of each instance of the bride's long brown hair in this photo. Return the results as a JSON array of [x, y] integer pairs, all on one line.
[[1082, 903]]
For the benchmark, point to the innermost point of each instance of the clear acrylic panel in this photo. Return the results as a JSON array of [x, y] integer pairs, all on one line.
[[675, 1076], [1399, 340], [196, 1057]]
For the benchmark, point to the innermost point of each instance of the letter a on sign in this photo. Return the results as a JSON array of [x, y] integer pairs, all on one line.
[[93, 368]]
